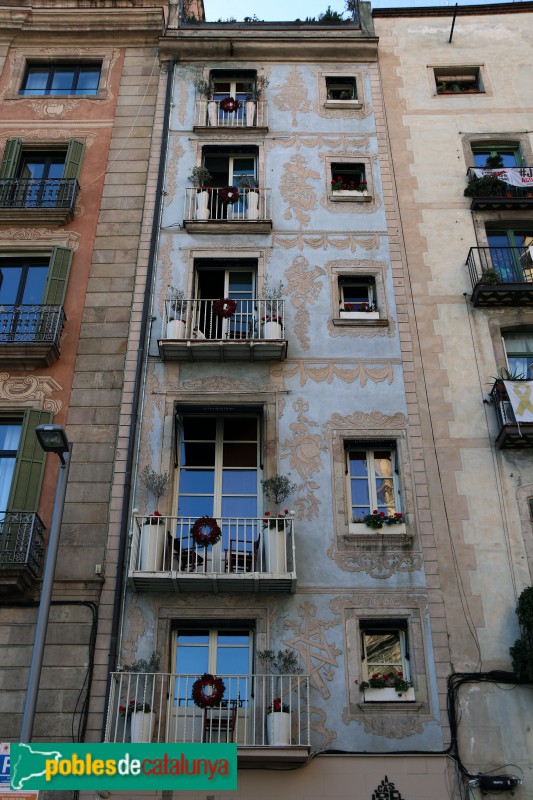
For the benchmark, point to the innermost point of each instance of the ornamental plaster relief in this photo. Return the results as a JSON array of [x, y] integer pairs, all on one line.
[[30, 391], [324, 240], [304, 454], [68, 238], [303, 289], [380, 566], [296, 191], [339, 144], [319, 726], [360, 420], [380, 600], [340, 207], [292, 95], [318, 655], [49, 134], [393, 726], [330, 371]]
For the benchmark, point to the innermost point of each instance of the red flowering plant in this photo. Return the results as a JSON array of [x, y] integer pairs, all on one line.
[[390, 680], [272, 318], [338, 184], [377, 519], [364, 306], [133, 705], [277, 705]]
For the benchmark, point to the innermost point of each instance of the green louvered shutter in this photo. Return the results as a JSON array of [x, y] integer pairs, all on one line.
[[10, 159], [28, 474], [73, 159], [58, 272]]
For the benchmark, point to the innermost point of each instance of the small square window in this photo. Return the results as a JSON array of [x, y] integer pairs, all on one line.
[[341, 87], [458, 80], [385, 661], [357, 295], [72, 78], [348, 177]]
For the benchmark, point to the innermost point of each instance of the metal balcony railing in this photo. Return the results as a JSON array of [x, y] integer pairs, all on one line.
[[247, 546], [258, 319], [31, 193], [210, 205], [26, 323], [21, 540], [168, 714], [500, 265], [519, 174], [249, 114]]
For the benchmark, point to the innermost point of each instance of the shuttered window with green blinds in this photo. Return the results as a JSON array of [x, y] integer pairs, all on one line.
[[29, 467], [57, 278], [14, 148]]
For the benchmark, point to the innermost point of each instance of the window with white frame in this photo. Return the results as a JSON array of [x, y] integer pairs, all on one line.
[[341, 87], [219, 278], [384, 649], [348, 177], [519, 353], [357, 294], [372, 480]]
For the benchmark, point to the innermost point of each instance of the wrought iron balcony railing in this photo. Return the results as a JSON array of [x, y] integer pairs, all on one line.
[[51, 193], [493, 265], [255, 710], [212, 205], [511, 433], [490, 185], [258, 319], [21, 541], [25, 323], [249, 114]]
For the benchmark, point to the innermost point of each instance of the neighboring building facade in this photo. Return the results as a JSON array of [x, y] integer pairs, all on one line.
[[458, 92], [280, 344], [77, 99]]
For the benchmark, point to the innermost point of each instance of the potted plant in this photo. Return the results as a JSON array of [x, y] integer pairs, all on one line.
[[137, 711], [206, 87], [277, 489], [251, 190], [254, 92], [489, 276], [272, 318], [200, 177], [383, 687], [176, 318], [153, 533], [362, 310], [486, 186], [349, 188], [281, 666], [522, 650]]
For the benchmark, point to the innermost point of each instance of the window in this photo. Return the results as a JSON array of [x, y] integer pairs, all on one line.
[[348, 177], [511, 253], [29, 282], [340, 87], [509, 154], [458, 80], [237, 85], [384, 651], [237, 167], [60, 79], [357, 295], [233, 278], [39, 177], [519, 353], [21, 460], [372, 476]]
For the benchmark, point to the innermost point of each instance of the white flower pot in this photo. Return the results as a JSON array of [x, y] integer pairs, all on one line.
[[141, 725], [176, 329], [202, 202], [212, 113], [275, 547], [252, 208], [152, 542], [272, 330], [279, 728], [250, 113], [387, 695]]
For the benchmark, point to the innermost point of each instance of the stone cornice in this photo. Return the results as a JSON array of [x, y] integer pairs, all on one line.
[[64, 19], [273, 43]]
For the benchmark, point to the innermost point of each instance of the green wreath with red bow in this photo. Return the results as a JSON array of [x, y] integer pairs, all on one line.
[[206, 531], [225, 307], [208, 691]]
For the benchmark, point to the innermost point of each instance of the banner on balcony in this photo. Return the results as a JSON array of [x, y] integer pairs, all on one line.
[[515, 176], [119, 767], [520, 394]]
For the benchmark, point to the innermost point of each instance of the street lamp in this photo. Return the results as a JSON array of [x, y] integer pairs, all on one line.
[[52, 439]]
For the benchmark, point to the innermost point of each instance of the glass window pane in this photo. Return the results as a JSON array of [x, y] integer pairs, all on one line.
[[383, 463], [355, 294], [233, 661], [62, 80], [233, 637], [243, 429], [239, 481], [360, 495], [88, 80], [193, 637], [195, 507], [358, 464], [36, 80], [35, 285], [385, 494], [194, 454], [240, 455], [239, 507], [202, 428], [9, 285], [383, 648], [195, 481]]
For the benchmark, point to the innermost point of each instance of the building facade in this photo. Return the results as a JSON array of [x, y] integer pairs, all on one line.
[[76, 128]]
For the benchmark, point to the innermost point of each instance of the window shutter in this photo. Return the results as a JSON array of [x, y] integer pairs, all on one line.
[[58, 272], [73, 159], [10, 159], [28, 474]]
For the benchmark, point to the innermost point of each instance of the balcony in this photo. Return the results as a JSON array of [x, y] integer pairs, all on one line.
[[511, 434], [21, 550], [250, 116], [501, 276], [242, 716], [194, 331], [500, 188], [37, 202], [253, 555], [210, 211], [30, 336]]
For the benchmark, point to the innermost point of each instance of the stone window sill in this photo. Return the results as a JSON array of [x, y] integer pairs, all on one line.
[[343, 104], [358, 323], [350, 197]]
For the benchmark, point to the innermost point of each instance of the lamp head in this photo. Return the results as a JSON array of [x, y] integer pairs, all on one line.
[[53, 439]]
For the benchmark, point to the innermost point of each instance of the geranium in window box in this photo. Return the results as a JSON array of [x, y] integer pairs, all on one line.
[[386, 687], [348, 189], [359, 311]]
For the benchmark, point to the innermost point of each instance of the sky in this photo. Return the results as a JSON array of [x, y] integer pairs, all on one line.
[[281, 10]]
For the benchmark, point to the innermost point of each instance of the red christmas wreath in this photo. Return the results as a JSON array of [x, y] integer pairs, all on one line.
[[199, 535], [229, 194], [225, 307], [229, 104], [215, 693]]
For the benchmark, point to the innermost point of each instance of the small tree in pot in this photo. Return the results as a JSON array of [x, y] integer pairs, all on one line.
[[281, 666]]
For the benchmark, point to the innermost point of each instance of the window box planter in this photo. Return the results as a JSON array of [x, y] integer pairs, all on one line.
[[279, 728], [359, 314], [374, 533], [350, 197], [388, 695]]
